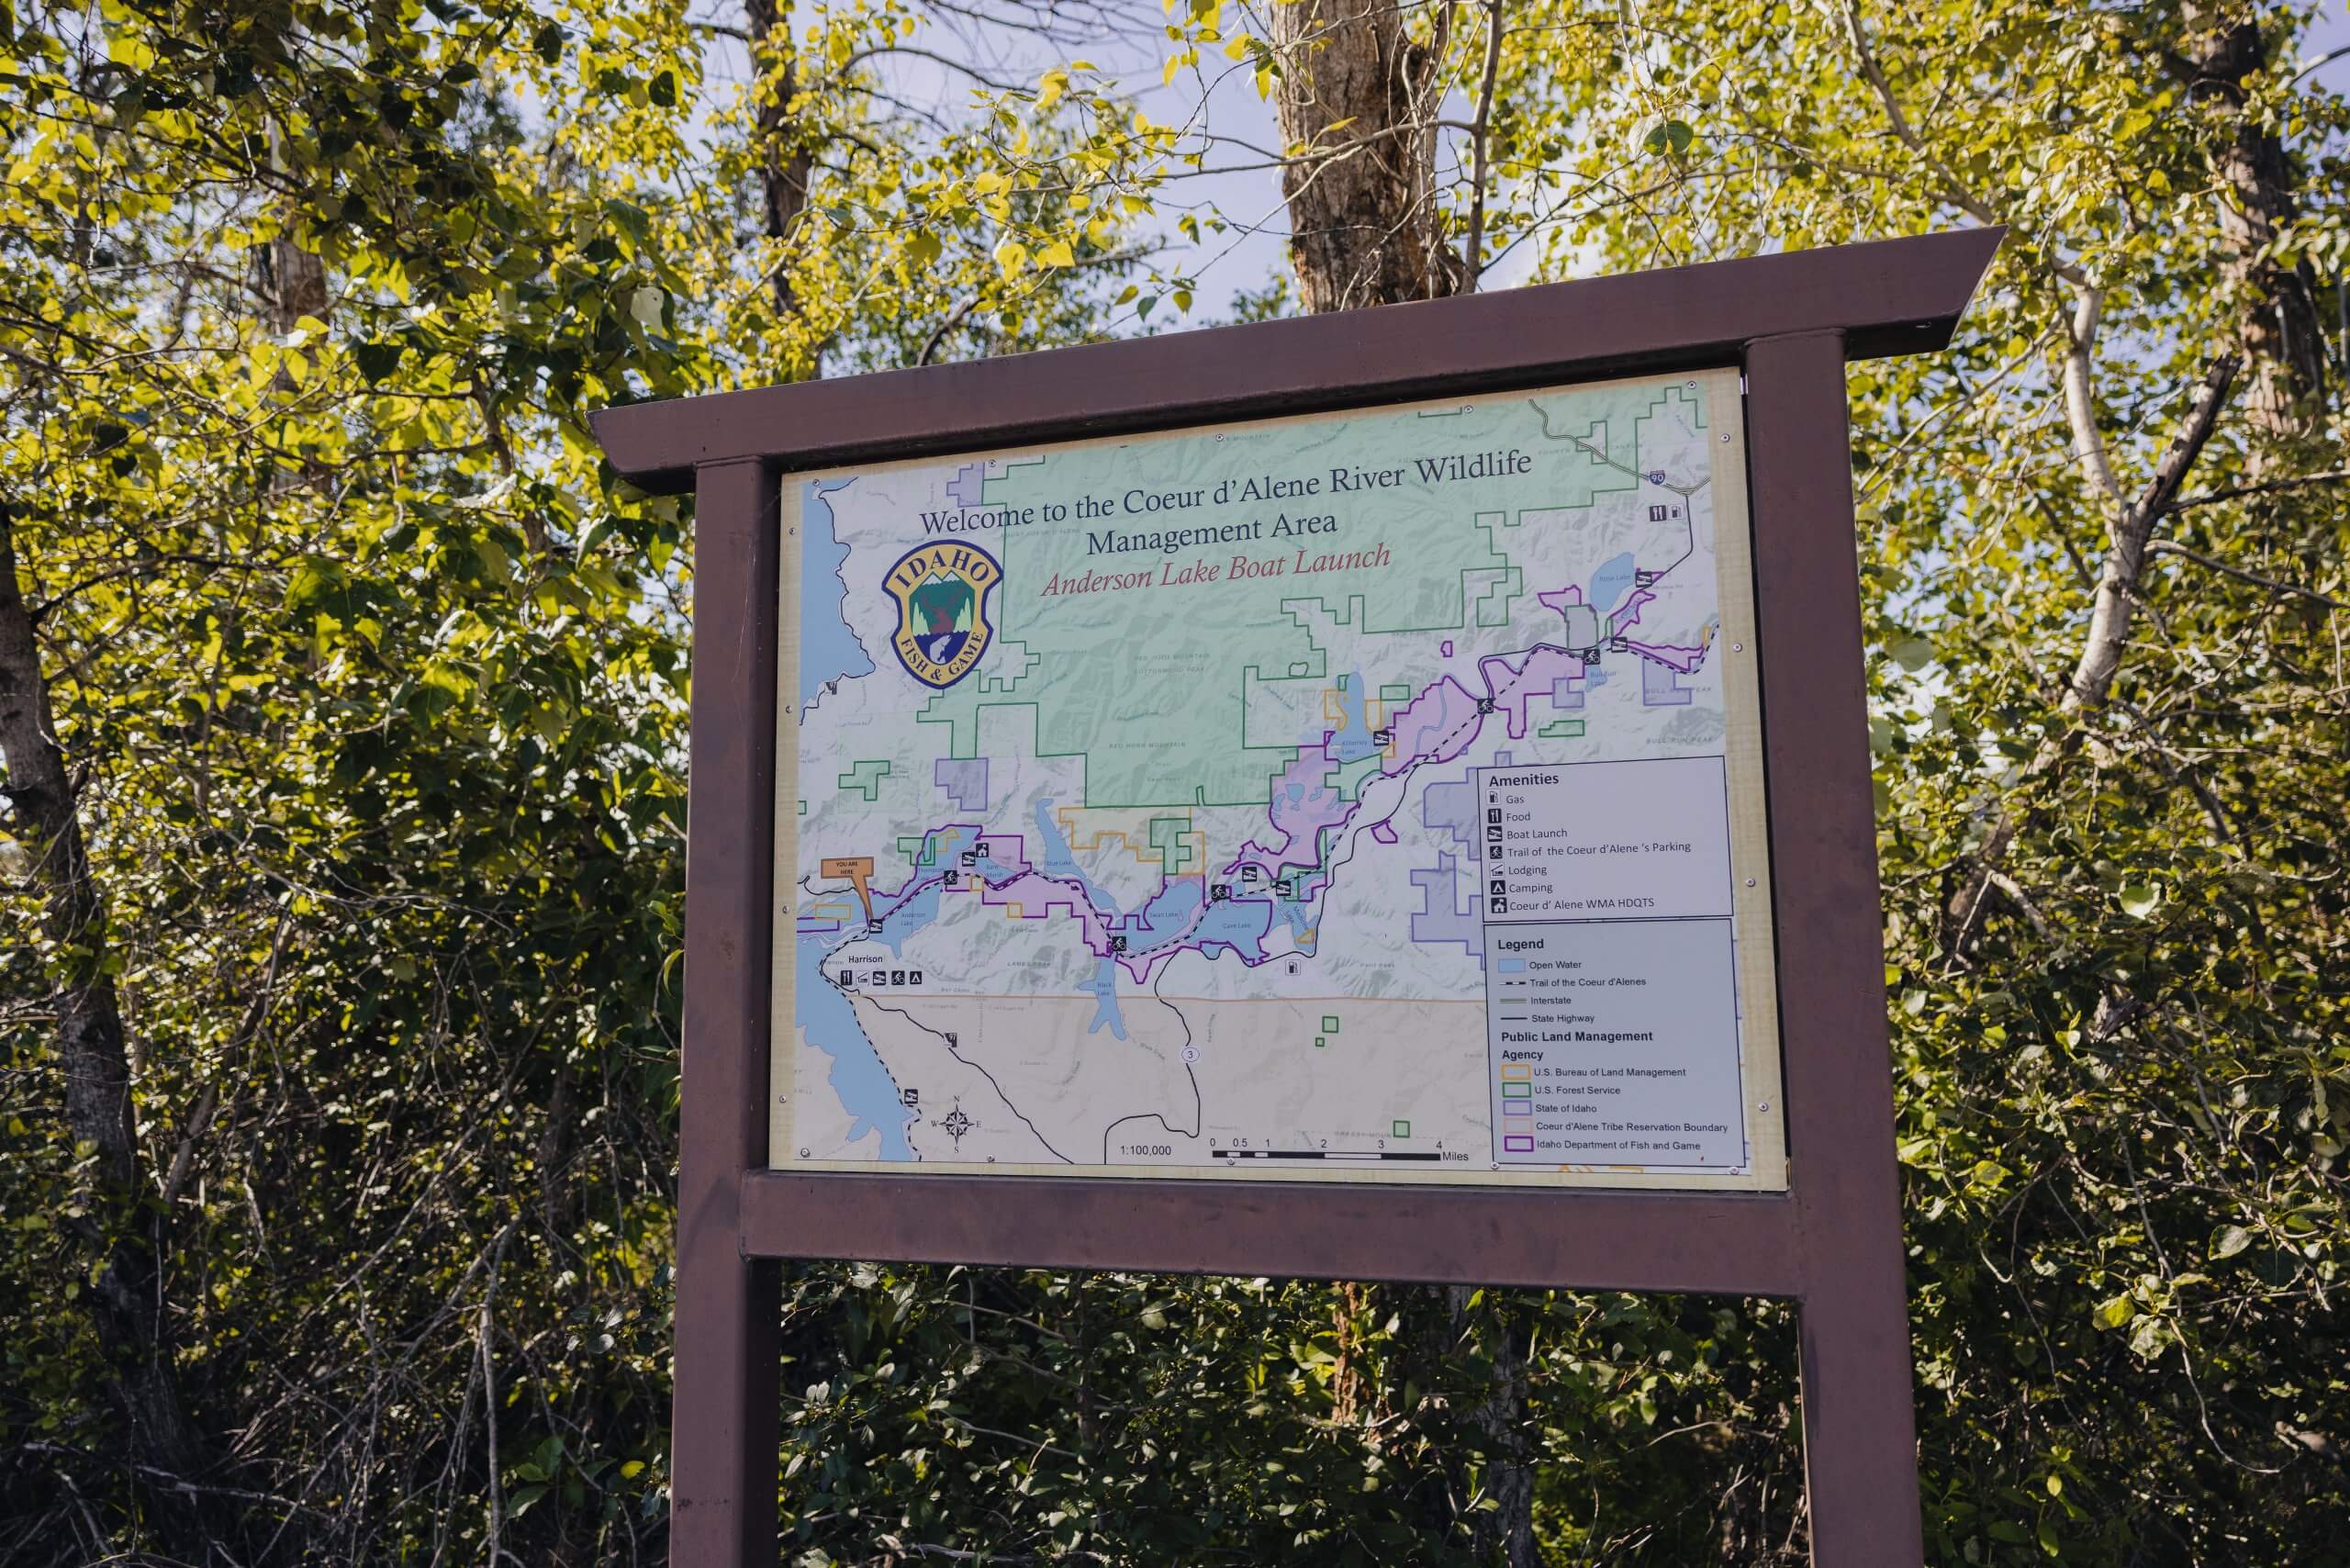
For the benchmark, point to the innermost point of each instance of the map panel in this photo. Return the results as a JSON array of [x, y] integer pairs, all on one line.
[[1370, 796]]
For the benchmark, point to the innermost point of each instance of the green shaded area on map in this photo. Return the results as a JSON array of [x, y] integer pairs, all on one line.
[[1163, 735]]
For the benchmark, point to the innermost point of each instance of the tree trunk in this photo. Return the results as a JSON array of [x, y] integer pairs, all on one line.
[[1356, 102], [297, 278], [297, 283], [2278, 326], [125, 1297], [1500, 1417], [784, 165]]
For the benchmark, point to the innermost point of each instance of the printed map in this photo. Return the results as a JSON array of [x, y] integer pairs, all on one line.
[[1370, 796]]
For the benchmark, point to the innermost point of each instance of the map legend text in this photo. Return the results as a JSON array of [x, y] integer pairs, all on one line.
[[1613, 1033]]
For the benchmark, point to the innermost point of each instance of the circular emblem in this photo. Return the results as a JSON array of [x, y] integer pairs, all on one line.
[[942, 597]]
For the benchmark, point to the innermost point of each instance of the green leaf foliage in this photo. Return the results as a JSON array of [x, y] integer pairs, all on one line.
[[373, 681]]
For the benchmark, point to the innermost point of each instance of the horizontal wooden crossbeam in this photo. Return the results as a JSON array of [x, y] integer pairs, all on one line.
[[1895, 297], [1632, 1241]]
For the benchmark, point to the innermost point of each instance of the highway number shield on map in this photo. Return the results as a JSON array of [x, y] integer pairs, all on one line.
[[1372, 796]]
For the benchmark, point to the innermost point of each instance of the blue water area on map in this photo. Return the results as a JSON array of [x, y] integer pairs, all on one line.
[[1057, 861], [1103, 988], [1609, 583], [1238, 923], [858, 1077], [1164, 918], [1351, 742], [1511, 966], [943, 852], [1299, 917], [908, 918], [829, 651]]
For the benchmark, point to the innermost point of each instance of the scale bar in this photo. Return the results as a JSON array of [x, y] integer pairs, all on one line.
[[1430, 1155]]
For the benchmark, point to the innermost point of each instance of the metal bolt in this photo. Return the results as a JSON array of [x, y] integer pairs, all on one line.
[[1738, 647], [1725, 438], [1750, 881]]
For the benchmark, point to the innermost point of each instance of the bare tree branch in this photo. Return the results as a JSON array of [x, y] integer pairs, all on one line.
[[2274, 585], [2114, 606], [2080, 401], [2117, 592], [2236, 492], [1473, 253]]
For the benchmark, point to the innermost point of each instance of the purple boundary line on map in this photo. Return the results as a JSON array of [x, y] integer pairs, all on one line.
[[1542, 669]]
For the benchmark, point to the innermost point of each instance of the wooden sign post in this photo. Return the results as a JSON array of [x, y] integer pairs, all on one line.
[[1821, 1225]]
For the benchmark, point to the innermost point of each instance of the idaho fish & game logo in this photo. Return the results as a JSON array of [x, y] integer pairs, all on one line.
[[942, 593]]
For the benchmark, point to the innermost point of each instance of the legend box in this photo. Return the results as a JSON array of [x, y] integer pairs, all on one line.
[[1611, 1002]]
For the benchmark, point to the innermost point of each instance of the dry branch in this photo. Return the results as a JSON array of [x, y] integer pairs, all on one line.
[[2112, 609]]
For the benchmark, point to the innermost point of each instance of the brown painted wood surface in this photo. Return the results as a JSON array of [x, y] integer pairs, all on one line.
[[1833, 1242], [1895, 297], [1860, 1443], [1729, 1243], [724, 1418]]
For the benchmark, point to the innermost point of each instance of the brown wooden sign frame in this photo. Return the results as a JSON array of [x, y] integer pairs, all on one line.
[[1832, 1242]]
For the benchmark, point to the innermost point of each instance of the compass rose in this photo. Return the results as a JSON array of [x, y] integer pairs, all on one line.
[[956, 1124]]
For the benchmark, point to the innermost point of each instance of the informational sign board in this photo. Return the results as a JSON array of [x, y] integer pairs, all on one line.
[[1373, 795], [1094, 860]]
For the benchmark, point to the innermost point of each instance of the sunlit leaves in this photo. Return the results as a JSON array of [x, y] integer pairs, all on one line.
[[2143, 1042], [1669, 137]]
